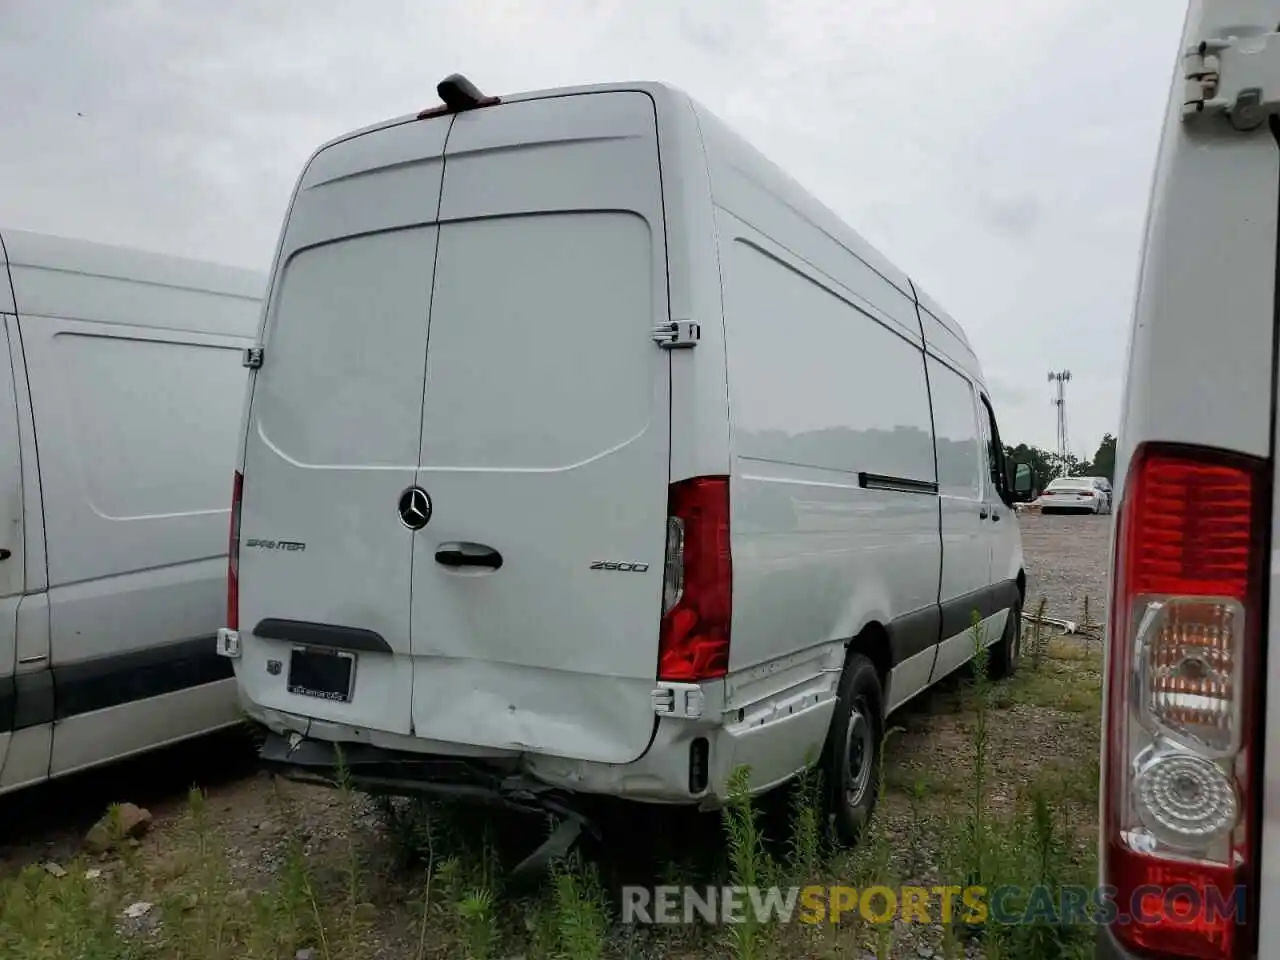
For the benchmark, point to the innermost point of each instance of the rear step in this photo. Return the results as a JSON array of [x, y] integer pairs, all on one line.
[[393, 773]]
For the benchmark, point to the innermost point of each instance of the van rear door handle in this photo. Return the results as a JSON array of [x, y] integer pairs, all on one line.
[[468, 555], [5, 553]]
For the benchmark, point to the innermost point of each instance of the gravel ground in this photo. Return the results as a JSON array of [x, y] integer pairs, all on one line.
[[1067, 560]]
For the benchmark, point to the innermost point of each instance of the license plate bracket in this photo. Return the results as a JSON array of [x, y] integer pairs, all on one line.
[[322, 673]]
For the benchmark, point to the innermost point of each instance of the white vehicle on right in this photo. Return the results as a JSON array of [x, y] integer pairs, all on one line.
[[1073, 495], [1103, 484], [1189, 812]]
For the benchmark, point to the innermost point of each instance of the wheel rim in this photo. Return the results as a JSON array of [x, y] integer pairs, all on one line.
[[859, 754]]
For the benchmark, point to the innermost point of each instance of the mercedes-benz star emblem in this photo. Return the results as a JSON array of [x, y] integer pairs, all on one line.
[[415, 508]]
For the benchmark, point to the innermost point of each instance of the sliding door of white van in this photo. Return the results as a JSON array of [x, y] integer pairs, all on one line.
[[545, 437], [333, 435], [966, 531], [12, 555]]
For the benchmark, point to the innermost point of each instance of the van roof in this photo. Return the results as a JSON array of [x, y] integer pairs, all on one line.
[[943, 317], [160, 282], [53, 252], [780, 183]]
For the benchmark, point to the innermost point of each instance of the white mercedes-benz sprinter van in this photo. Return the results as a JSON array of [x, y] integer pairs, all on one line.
[[587, 452], [1189, 826], [121, 385]]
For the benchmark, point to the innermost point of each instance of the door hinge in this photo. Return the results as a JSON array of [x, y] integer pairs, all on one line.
[[1237, 77], [677, 333], [252, 358]]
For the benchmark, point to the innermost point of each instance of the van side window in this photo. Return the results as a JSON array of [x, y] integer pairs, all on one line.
[[995, 450], [865, 402], [955, 423]]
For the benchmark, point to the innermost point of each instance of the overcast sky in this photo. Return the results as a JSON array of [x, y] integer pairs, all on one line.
[[999, 151]]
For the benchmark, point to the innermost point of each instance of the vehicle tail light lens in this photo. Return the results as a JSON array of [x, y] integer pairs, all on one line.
[[1179, 788], [233, 554], [697, 582]]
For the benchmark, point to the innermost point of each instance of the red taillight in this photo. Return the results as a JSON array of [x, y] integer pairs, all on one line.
[[698, 582], [233, 554], [1179, 789]]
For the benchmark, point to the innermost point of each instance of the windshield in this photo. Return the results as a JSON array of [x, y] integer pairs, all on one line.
[[1070, 484]]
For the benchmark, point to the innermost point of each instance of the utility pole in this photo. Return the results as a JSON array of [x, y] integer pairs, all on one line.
[[1060, 379]]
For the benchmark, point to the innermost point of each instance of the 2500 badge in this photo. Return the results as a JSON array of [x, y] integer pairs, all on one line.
[[290, 546], [620, 566]]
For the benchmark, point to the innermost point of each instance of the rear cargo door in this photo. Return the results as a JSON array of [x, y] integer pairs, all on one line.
[[537, 582], [333, 435]]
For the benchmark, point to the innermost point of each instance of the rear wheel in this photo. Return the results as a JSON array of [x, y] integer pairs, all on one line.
[[851, 757], [1003, 658]]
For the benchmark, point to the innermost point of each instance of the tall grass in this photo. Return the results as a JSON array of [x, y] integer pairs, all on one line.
[[1029, 853], [1038, 638], [748, 860], [581, 910]]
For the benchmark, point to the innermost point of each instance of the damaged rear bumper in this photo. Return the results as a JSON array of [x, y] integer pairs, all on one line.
[[381, 771], [405, 764], [377, 770], [689, 761]]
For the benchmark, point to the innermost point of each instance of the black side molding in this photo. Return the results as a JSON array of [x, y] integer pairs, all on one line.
[[356, 639], [26, 700], [69, 690], [922, 629], [914, 633], [112, 680], [957, 613], [8, 703], [34, 701], [879, 481]]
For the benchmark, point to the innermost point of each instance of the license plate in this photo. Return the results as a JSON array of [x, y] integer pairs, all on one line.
[[323, 674]]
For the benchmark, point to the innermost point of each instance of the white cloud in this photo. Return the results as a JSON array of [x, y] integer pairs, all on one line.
[[999, 152]]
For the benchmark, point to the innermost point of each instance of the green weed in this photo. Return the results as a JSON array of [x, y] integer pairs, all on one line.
[[581, 912], [749, 864]]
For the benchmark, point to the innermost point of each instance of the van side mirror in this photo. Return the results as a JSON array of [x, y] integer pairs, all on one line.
[[1023, 481], [1020, 481]]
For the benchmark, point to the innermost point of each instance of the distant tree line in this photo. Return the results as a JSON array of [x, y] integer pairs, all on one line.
[[1047, 465]]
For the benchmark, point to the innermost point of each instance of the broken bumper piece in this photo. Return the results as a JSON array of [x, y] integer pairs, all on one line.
[[379, 771]]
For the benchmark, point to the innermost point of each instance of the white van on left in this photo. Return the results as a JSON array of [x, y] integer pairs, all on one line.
[[121, 385]]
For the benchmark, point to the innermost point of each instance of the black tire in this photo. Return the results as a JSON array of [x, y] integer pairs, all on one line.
[[1002, 661], [851, 756]]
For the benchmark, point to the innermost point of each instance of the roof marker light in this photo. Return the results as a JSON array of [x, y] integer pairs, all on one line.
[[458, 94]]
